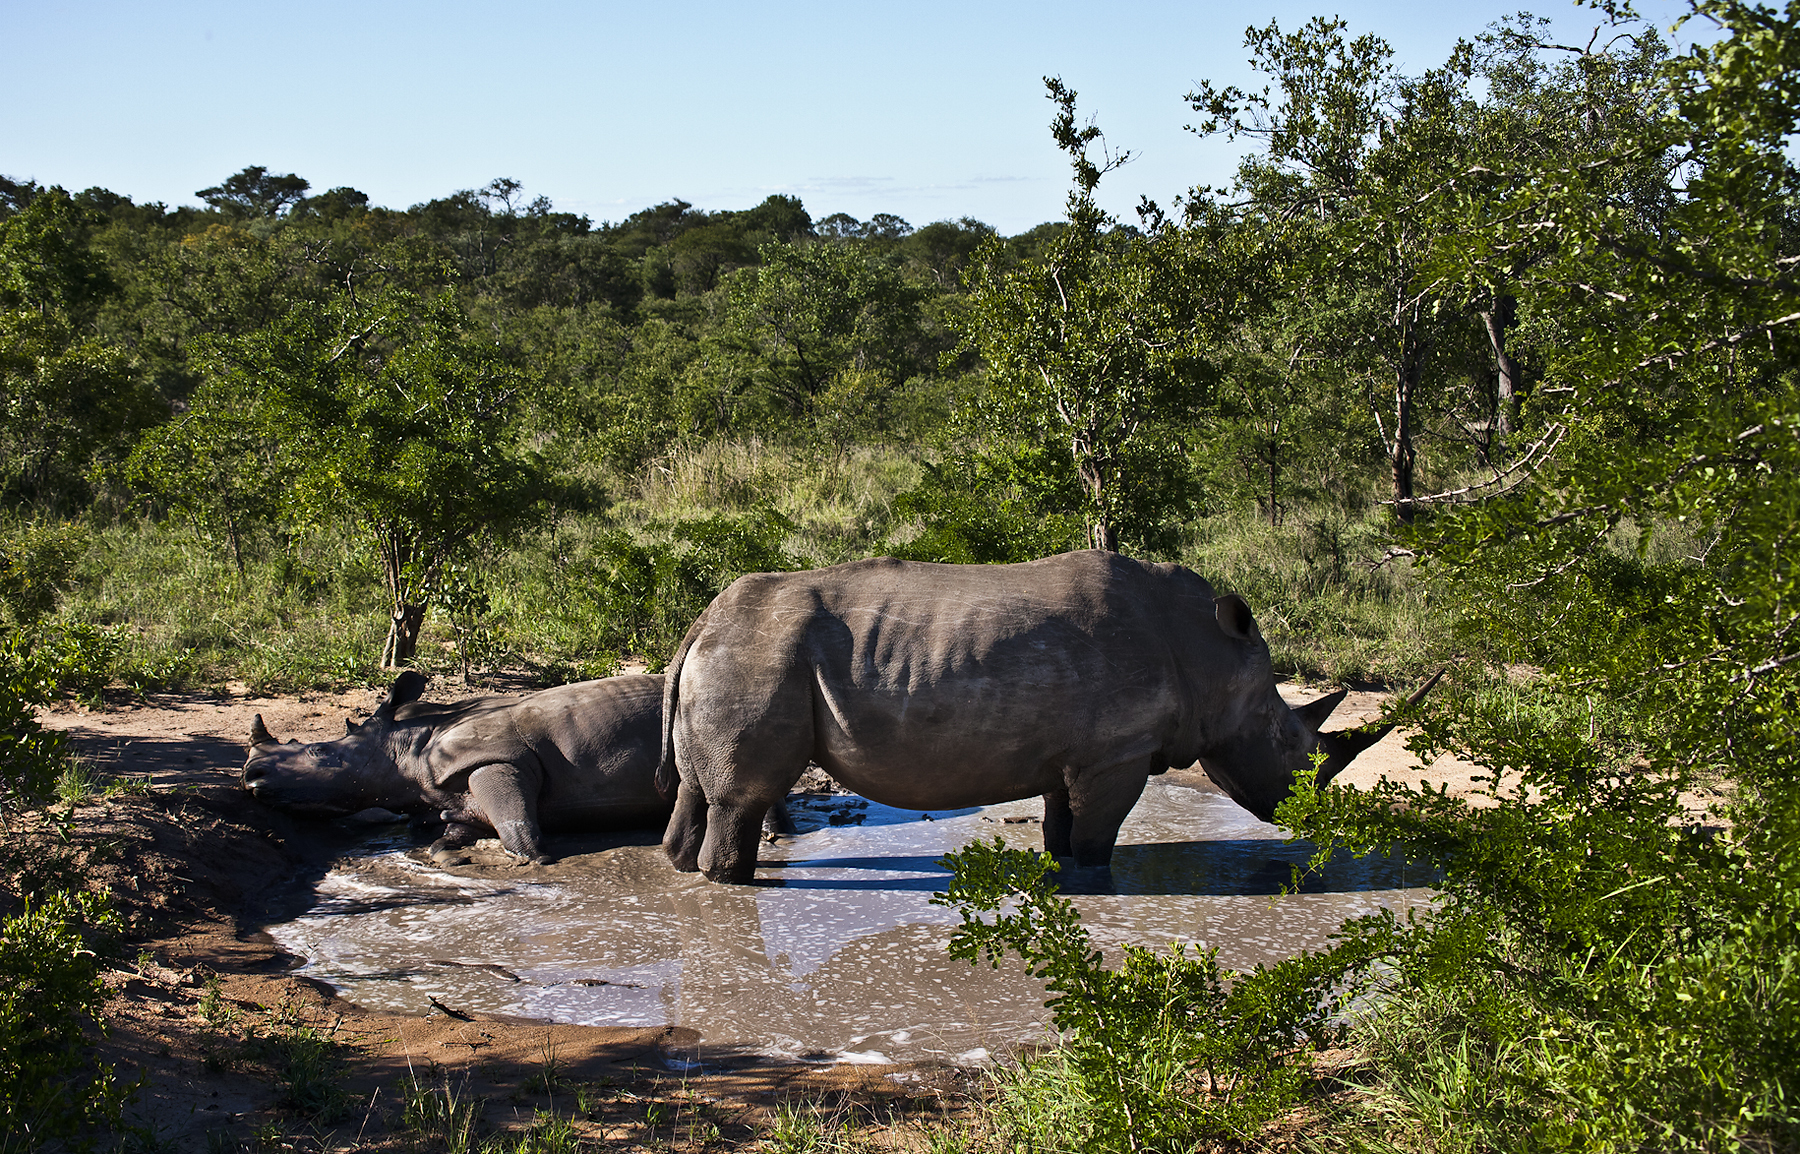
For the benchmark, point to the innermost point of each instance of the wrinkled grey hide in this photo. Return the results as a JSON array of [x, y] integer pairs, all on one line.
[[574, 758], [936, 687]]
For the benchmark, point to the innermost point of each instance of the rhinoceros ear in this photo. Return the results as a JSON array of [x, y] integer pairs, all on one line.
[[1235, 618], [1314, 713], [406, 687], [259, 733], [349, 727]]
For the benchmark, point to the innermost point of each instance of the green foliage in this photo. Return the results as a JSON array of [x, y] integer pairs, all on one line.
[[31, 757], [993, 507], [70, 401], [832, 331], [644, 595], [1161, 1053], [384, 416], [37, 563], [1097, 343], [255, 192], [50, 989], [1608, 969]]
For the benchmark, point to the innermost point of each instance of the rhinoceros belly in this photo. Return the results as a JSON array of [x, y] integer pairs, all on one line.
[[962, 741]]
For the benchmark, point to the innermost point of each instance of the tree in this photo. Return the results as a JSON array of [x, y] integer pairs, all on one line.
[[255, 192], [1603, 972], [1097, 340], [386, 414], [70, 400], [828, 327], [1351, 150]]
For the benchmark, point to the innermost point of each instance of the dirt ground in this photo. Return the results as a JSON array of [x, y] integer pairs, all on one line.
[[236, 1053], [204, 1010]]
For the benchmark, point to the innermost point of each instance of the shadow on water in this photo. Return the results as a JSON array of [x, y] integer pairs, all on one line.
[[1248, 867]]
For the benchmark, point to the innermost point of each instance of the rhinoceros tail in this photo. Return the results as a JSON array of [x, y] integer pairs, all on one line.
[[668, 778]]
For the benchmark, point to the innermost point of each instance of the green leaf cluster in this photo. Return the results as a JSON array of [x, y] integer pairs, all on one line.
[[1161, 1053]]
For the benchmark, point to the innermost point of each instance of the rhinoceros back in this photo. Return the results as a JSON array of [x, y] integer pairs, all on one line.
[[948, 685], [596, 744]]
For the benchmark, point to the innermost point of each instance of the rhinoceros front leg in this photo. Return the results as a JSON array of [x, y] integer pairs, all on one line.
[[1099, 800], [1058, 819], [507, 796], [459, 834]]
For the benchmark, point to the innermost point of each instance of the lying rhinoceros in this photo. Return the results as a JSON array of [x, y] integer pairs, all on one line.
[[577, 757], [942, 686]]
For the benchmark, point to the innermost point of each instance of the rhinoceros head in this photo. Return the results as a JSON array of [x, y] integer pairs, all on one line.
[[332, 778], [1273, 744]]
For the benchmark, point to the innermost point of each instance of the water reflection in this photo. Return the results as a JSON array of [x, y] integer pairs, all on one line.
[[839, 954]]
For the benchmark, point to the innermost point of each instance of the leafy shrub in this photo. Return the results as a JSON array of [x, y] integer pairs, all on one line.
[[1160, 1053], [1597, 974], [31, 757], [987, 509], [37, 562], [50, 1089], [645, 595]]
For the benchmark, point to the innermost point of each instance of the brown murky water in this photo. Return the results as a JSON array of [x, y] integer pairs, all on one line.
[[837, 955]]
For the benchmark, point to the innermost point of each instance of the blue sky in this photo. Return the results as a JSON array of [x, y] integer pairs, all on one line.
[[927, 110]]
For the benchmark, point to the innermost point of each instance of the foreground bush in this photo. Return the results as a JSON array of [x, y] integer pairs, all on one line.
[[1161, 1054], [50, 990]]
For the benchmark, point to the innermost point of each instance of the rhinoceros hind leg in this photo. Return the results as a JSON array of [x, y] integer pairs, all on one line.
[[777, 822], [733, 835], [686, 830]]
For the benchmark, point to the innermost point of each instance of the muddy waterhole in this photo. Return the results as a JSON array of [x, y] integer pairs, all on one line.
[[836, 954]]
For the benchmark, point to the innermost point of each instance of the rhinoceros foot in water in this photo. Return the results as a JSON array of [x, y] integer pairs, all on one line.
[[935, 687], [575, 758]]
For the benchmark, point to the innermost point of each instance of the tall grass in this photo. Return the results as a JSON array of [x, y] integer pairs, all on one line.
[[177, 613], [1331, 609], [150, 605], [842, 506]]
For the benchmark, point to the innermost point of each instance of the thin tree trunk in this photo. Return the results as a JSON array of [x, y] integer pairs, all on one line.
[[1275, 477], [1407, 377], [406, 619], [1499, 321], [1102, 533], [403, 635]]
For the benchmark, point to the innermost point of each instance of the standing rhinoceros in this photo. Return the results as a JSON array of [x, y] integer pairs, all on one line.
[[928, 687], [577, 757]]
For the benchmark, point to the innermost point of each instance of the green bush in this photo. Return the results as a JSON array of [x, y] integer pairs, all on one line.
[[37, 563], [1162, 1053], [50, 989], [640, 597], [31, 757]]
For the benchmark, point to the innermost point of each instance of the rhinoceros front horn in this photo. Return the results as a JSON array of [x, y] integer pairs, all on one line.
[[1342, 747], [259, 733]]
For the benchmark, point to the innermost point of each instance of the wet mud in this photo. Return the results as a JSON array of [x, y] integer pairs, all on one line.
[[836, 954]]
